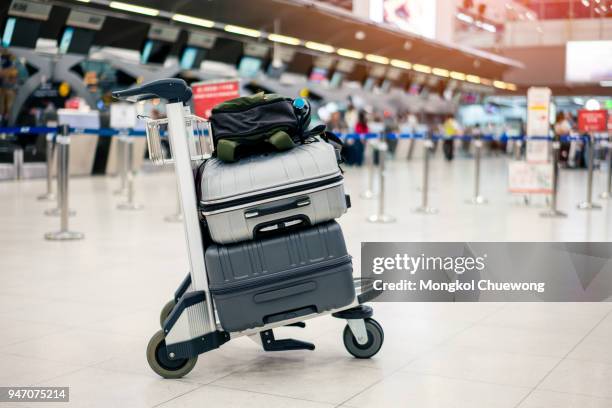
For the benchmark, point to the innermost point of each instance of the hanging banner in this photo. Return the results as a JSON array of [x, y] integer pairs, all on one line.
[[208, 94], [592, 120]]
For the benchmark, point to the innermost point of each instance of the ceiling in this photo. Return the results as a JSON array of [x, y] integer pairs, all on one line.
[[306, 20]]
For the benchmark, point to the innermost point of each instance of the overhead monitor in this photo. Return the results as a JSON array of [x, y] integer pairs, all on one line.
[[318, 74], [79, 33], [195, 51], [588, 61], [248, 67], [23, 24], [158, 44]]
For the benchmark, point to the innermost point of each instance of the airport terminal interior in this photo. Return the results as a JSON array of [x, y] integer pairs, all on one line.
[[445, 121]]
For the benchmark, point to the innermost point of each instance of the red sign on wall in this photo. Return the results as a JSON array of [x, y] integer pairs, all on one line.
[[208, 94], [592, 120]]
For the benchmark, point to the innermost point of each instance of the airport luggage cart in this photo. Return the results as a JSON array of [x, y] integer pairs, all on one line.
[[189, 322]]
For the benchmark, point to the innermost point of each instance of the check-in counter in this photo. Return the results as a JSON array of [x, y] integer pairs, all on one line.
[[82, 146]]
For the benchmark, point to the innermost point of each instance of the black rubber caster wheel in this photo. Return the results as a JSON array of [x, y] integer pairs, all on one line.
[[165, 312], [160, 362], [376, 336]]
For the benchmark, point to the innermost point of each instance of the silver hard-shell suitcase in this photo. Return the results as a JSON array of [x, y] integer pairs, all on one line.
[[266, 192]]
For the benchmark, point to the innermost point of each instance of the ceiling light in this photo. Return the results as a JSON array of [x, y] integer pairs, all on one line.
[[401, 64], [377, 59], [242, 31], [500, 84], [84, 1], [360, 35], [465, 18], [457, 75], [440, 72], [475, 79], [486, 82], [133, 8], [284, 39], [606, 84], [349, 53], [319, 47], [510, 87], [488, 27], [193, 20], [426, 69]]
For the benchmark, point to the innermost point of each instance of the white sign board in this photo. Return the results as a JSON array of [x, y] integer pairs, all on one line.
[[78, 119], [538, 123], [529, 178], [123, 116]]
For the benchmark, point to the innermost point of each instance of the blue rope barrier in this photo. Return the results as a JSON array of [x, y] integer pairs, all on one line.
[[103, 132]]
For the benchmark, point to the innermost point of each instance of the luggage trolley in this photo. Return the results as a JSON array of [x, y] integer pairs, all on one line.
[[189, 321]]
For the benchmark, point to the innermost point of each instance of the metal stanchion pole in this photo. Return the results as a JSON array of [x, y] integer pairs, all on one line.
[[369, 193], [129, 204], [63, 176], [122, 167], [380, 216], [49, 162], [424, 207], [608, 193], [178, 215], [588, 204], [18, 163], [552, 212], [477, 198]]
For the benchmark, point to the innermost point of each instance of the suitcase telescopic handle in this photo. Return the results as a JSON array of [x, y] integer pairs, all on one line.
[[260, 212], [172, 89]]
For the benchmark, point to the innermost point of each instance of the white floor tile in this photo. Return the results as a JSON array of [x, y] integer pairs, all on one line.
[[580, 377], [547, 399], [484, 365], [76, 346], [208, 395], [91, 388], [515, 340], [26, 371], [303, 376], [418, 390], [593, 348]]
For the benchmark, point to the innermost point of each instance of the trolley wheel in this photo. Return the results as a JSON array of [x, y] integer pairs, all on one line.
[[376, 337], [157, 358], [165, 312]]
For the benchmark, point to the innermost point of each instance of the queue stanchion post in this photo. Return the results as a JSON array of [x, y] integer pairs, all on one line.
[[477, 198], [129, 204], [49, 195], [553, 212], [63, 177], [588, 204], [381, 217], [606, 195], [178, 215], [18, 163], [369, 192], [424, 208], [122, 163]]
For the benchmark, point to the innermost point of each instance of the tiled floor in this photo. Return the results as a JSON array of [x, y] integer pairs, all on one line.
[[79, 314]]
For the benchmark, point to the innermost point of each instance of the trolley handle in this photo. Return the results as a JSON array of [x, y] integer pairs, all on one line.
[[172, 89]]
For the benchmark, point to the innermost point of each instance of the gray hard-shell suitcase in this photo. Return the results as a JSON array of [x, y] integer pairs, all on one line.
[[280, 277], [262, 193]]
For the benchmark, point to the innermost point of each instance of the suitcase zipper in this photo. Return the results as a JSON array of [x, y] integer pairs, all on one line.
[[274, 278], [207, 208]]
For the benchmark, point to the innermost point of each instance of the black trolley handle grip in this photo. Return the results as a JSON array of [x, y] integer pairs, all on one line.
[[172, 89]]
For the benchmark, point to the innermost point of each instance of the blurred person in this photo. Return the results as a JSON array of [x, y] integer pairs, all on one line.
[[562, 127], [451, 130], [8, 84], [390, 126], [352, 151], [336, 123]]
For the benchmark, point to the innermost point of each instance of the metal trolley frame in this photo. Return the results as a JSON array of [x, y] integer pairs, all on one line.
[[189, 323]]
